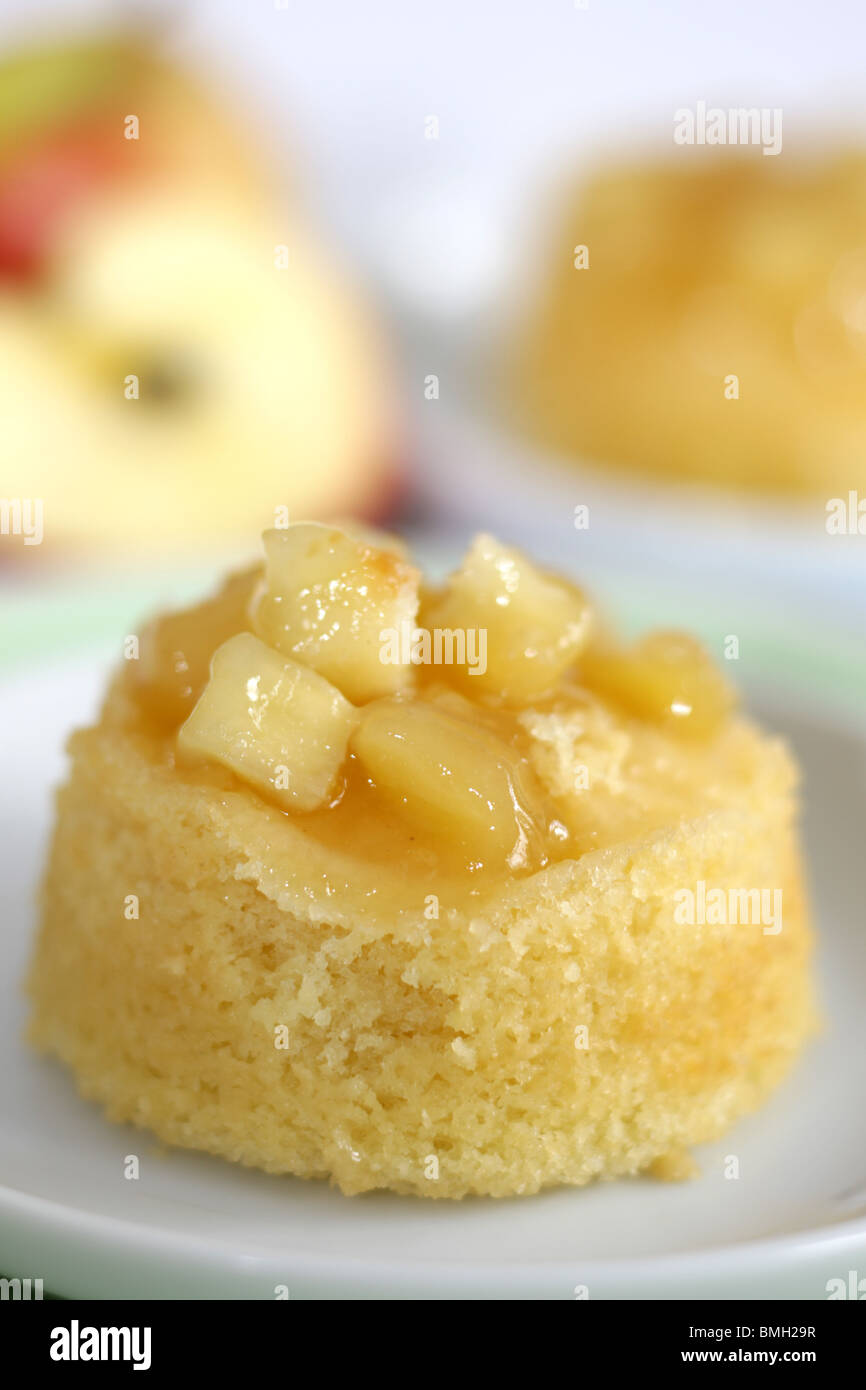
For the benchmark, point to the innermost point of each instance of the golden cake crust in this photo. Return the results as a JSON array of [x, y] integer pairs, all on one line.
[[292, 1006]]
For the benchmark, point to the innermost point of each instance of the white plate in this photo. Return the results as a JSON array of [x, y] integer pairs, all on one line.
[[194, 1227]]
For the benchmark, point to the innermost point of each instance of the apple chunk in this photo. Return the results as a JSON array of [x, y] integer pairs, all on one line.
[[453, 777], [176, 649], [328, 599], [667, 678], [536, 626], [274, 723]]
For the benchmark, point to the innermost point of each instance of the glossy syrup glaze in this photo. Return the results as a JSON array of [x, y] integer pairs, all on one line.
[[441, 776]]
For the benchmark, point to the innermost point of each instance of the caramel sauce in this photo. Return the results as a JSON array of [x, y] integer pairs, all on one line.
[[475, 751]]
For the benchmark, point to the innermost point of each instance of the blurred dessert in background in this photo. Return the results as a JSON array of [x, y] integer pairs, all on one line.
[[705, 321], [178, 356]]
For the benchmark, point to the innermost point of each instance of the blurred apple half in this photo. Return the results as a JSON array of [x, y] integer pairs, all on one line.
[[168, 376]]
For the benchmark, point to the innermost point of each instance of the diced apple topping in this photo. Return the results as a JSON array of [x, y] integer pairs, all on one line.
[[536, 626], [281, 679], [453, 777], [329, 600], [273, 722], [175, 650], [667, 677]]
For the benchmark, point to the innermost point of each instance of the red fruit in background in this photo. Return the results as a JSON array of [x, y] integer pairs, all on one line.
[[41, 183]]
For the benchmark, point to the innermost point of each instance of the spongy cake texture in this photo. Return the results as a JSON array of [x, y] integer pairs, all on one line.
[[291, 1006]]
